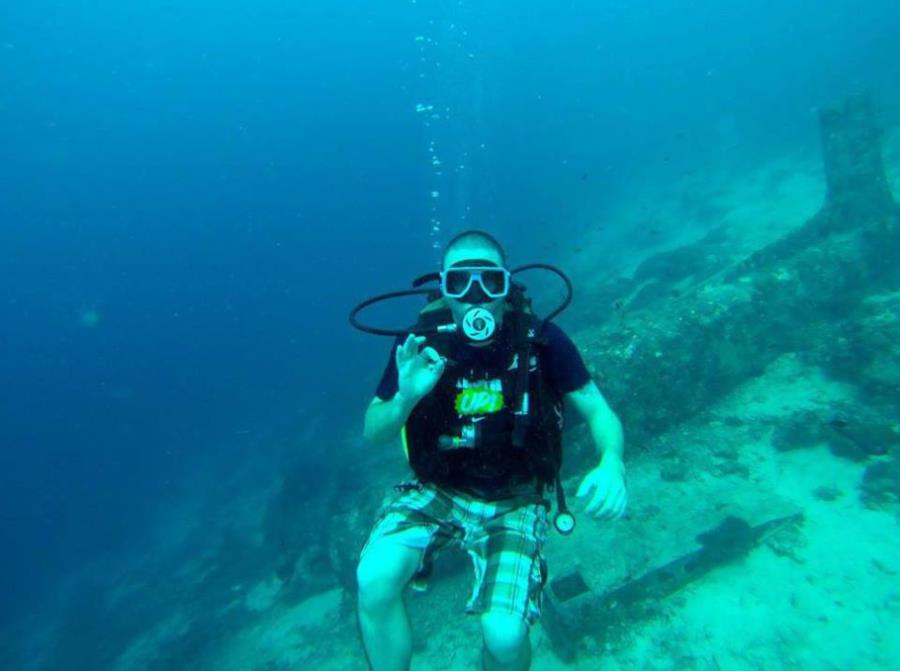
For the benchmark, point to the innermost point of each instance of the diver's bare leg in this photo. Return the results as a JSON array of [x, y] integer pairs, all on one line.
[[507, 646], [382, 575]]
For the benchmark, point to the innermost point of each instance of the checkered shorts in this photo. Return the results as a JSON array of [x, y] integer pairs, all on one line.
[[504, 539]]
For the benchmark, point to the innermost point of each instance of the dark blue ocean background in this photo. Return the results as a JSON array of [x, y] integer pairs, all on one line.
[[193, 195]]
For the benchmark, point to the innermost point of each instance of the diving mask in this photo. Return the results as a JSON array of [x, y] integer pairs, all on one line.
[[457, 281]]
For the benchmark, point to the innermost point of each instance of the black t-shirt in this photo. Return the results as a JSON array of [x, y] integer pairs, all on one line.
[[562, 364]]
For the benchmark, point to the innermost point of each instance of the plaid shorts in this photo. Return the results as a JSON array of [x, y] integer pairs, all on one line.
[[504, 539]]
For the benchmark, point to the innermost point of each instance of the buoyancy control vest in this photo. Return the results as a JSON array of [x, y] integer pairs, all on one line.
[[492, 425]]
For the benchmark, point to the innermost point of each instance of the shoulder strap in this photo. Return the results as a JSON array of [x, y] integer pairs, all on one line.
[[527, 333]]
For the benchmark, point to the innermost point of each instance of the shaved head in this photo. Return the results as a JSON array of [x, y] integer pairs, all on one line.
[[473, 245]]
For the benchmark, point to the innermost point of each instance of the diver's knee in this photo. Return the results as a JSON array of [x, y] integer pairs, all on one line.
[[505, 634], [381, 576]]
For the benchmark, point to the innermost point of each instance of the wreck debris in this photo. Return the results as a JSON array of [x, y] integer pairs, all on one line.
[[572, 609]]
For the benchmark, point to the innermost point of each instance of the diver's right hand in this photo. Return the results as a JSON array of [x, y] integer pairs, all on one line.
[[417, 371]]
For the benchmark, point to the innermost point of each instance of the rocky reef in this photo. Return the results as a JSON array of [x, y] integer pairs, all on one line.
[[691, 324]]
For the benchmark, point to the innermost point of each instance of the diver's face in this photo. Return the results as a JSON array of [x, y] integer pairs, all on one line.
[[474, 256]]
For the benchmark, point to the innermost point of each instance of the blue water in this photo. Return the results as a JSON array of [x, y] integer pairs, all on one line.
[[192, 195]]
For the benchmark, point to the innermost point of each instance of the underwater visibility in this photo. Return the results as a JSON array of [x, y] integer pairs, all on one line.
[[445, 335]]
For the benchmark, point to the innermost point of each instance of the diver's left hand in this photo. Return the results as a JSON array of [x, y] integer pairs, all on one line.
[[606, 487]]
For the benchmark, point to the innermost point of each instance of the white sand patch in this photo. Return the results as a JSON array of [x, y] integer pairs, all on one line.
[[786, 386], [772, 200], [145, 649], [320, 610], [288, 637], [825, 611], [755, 207], [263, 595], [833, 603]]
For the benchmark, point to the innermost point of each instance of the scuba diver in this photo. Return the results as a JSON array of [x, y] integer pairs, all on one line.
[[475, 390]]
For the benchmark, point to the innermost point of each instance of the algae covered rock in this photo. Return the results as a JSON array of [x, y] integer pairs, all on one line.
[[856, 434], [801, 430], [871, 438], [881, 483], [827, 493]]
